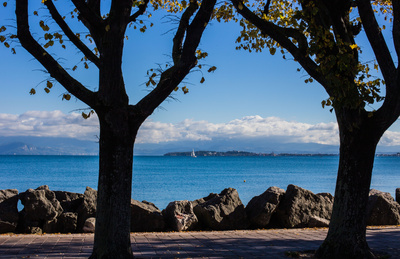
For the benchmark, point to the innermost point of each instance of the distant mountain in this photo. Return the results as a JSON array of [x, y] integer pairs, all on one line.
[[67, 146], [46, 146]]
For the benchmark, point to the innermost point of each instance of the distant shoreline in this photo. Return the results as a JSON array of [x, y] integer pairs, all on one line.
[[240, 153], [272, 154]]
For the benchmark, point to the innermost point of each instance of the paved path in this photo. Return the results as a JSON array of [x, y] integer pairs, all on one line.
[[219, 244]]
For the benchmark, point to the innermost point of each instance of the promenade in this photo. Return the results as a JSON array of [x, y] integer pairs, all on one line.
[[273, 243]]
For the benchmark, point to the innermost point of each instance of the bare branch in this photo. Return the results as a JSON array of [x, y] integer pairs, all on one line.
[[90, 17], [71, 36], [396, 28], [142, 9], [376, 39], [180, 33], [95, 6], [48, 62], [173, 76]]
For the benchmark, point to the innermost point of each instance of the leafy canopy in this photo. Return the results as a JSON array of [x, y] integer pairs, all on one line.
[[64, 33]]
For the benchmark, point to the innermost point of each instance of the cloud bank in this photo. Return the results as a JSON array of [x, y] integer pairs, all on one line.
[[72, 125]]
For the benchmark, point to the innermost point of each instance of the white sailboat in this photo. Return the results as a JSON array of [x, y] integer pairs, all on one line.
[[193, 154]]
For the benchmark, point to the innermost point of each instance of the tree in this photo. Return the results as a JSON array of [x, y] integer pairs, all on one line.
[[321, 37], [119, 120]]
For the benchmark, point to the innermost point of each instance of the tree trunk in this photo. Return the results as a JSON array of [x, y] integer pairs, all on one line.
[[346, 236], [112, 233]]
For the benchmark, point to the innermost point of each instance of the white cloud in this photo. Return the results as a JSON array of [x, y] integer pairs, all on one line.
[[48, 124], [246, 127], [72, 125]]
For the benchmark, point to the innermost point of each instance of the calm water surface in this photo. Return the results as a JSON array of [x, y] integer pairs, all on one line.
[[164, 179]]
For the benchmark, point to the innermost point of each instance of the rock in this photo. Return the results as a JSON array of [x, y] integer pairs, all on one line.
[[146, 217], [8, 210], [317, 222], [224, 211], [87, 208], [89, 225], [301, 208], [40, 205], [51, 226], [260, 208], [69, 201], [398, 195], [7, 227], [68, 222], [179, 216], [382, 209]]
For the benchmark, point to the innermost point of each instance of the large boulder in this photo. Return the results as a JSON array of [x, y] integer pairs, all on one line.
[[302, 208], [224, 211], [89, 225], [40, 206], [179, 216], [146, 217], [87, 209], [69, 201], [8, 210], [382, 209], [260, 208]]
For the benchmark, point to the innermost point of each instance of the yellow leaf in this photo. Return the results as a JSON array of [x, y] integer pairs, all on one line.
[[240, 6], [47, 90], [74, 68], [353, 46], [107, 27], [32, 91], [86, 65], [5, 4], [202, 80]]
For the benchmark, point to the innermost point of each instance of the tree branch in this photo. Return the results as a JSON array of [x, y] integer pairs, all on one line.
[[173, 76], [180, 33], [95, 6], [71, 36], [376, 39], [282, 36], [48, 62], [396, 28], [90, 17], [142, 9]]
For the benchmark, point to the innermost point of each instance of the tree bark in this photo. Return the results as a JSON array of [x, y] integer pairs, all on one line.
[[112, 234], [347, 230]]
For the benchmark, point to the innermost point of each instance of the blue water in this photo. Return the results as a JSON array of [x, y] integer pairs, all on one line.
[[164, 179]]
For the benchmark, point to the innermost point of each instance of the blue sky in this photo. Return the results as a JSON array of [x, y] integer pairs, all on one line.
[[247, 93]]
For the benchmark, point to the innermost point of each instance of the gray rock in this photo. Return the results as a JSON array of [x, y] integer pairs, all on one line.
[[146, 217], [224, 211], [89, 226], [68, 222], [317, 222], [398, 195], [299, 206], [260, 208], [87, 208], [40, 204], [179, 216], [8, 210], [382, 209], [70, 201], [7, 227]]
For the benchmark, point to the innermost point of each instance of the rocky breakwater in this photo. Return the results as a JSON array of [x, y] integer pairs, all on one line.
[[47, 211]]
